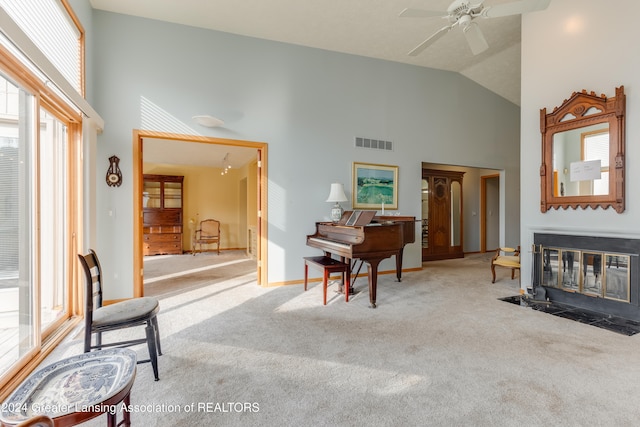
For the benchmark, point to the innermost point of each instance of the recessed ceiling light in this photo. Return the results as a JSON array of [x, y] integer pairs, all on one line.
[[208, 121]]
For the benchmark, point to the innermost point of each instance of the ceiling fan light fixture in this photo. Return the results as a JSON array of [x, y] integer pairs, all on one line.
[[464, 21], [461, 13], [208, 121]]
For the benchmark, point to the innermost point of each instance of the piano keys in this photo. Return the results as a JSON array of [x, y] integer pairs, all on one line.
[[383, 237]]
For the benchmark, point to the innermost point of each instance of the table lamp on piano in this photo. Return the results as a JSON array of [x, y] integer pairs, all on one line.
[[337, 195]]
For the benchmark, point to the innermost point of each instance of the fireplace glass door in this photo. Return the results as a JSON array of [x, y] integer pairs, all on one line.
[[550, 272], [591, 273], [570, 270], [616, 269]]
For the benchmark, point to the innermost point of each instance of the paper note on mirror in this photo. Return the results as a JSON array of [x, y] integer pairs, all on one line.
[[585, 171]]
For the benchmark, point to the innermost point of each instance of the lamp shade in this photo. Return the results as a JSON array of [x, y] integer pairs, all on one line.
[[337, 193]]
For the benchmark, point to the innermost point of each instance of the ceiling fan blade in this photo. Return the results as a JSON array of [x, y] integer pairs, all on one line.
[[475, 38], [515, 8], [431, 40], [420, 13]]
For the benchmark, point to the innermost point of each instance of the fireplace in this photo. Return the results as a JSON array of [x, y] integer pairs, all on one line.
[[594, 273]]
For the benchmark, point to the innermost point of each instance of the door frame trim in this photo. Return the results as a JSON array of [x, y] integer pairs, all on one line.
[[483, 209], [138, 136]]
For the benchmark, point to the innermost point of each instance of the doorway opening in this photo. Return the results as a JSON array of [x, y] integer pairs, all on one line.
[[479, 201], [490, 212], [216, 145]]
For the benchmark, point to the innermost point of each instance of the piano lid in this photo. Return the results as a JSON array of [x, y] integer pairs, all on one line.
[[356, 218]]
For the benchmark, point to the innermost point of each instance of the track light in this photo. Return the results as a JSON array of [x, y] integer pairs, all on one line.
[[226, 165]]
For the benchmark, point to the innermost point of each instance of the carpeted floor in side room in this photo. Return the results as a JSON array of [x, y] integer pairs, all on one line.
[[441, 349]]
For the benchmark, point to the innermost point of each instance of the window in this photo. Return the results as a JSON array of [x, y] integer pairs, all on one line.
[[595, 146], [53, 196], [54, 29], [17, 327], [34, 222], [40, 133]]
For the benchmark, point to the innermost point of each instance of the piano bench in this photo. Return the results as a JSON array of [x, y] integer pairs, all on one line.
[[329, 265]]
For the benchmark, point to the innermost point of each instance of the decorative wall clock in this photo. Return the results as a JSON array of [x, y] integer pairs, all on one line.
[[114, 175]]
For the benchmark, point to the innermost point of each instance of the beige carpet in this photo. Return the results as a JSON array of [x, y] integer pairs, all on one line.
[[170, 274], [439, 350]]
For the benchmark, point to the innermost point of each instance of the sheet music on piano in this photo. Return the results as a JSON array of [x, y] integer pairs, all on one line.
[[357, 218]]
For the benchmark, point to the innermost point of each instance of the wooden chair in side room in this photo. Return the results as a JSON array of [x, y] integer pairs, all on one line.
[[208, 233], [124, 314], [508, 258]]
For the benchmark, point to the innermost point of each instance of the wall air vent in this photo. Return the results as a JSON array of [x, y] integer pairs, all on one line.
[[375, 144]]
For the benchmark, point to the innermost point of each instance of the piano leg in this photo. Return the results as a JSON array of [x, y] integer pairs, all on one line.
[[372, 266], [399, 264]]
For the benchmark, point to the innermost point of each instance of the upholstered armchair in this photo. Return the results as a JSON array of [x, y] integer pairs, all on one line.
[[507, 258]]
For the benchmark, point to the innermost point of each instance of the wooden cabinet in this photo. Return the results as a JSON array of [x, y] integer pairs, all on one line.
[[442, 225], [162, 214]]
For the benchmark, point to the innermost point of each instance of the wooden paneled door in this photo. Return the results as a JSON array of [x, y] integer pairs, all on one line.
[[441, 214]]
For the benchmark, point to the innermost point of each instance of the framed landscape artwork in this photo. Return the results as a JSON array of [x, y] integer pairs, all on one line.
[[375, 186]]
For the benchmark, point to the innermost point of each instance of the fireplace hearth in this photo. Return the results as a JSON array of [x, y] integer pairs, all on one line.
[[604, 321], [599, 274]]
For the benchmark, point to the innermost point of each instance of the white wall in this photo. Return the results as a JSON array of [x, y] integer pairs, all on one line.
[[307, 104], [575, 45]]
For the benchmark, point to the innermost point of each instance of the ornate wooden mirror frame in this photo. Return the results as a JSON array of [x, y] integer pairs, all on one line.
[[580, 115]]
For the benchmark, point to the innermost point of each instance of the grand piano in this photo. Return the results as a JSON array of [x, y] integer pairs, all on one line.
[[368, 238]]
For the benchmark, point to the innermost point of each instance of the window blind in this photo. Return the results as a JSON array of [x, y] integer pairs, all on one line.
[[596, 147], [51, 29]]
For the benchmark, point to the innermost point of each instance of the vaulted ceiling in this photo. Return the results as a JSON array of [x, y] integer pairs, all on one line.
[[368, 28]]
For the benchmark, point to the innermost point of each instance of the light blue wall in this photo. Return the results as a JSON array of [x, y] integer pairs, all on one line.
[[307, 104]]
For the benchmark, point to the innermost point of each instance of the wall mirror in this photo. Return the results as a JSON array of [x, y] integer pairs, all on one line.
[[583, 152]]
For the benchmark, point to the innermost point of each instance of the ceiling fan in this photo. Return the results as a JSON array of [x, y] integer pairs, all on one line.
[[463, 12]]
